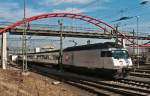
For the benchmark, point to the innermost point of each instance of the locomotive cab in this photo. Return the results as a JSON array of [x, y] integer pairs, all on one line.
[[117, 59], [121, 59], [122, 62]]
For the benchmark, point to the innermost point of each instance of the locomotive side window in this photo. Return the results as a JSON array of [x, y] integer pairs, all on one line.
[[106, 54], [102, 54]]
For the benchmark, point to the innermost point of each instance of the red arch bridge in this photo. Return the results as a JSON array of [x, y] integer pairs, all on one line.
[[97, 22]]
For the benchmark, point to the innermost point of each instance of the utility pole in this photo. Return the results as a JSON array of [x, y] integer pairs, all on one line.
[[137, 19], [133, 42], [24, 42], [61, 45], [116, 33]]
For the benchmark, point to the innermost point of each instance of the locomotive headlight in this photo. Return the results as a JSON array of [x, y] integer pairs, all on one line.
[[127, 61]]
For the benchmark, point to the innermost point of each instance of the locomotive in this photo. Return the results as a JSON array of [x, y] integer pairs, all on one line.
[[106, 58]]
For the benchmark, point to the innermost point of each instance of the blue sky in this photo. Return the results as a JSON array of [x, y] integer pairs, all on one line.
[[107, 10]]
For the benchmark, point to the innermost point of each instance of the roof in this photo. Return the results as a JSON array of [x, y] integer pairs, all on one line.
[[86, 47], [45, 52], [94, 46], [48, 47]]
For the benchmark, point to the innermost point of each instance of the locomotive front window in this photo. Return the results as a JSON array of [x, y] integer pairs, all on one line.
[[120, 54]]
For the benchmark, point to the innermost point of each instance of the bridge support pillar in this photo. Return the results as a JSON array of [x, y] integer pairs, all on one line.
[[4, 50]]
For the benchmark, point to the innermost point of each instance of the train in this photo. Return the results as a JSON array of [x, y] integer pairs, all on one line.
[[106, 58]]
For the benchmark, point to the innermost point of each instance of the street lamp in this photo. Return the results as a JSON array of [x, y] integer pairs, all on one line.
[[144, 2], [137, 29], [137, 20], [134, 43]]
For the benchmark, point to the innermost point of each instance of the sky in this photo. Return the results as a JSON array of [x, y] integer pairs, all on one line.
[[106, 10]]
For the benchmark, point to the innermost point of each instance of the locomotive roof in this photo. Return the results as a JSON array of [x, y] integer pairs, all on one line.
[[45, 52], [105, 45]]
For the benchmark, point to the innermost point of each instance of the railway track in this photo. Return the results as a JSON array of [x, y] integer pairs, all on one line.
[[135, 83], [139, 74], [144, 67], [95, 85], [142, 71]]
